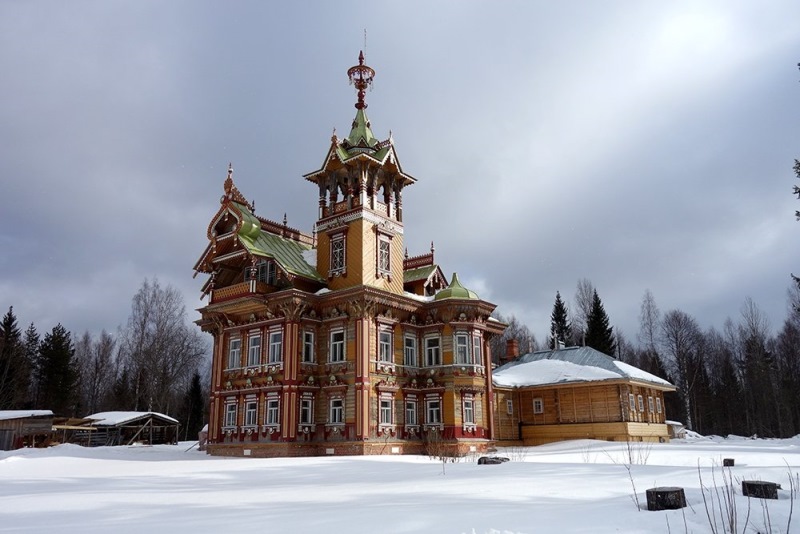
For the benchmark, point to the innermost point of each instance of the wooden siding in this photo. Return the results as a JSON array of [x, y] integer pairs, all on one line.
[[620, 431]]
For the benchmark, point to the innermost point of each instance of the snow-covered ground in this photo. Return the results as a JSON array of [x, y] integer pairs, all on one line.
[[577, 486]]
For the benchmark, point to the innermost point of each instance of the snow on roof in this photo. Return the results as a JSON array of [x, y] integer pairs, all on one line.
[[420, 298], [571, 364], [118, 418], [21, 414], [549, 372]]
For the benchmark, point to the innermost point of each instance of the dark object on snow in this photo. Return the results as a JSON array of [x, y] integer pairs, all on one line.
[[492, 460], [665, 498], [760, 489], [728, 462]]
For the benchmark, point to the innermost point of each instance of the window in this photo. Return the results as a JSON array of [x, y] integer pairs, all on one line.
[[235, 353], [658, 404], [434, 411], [250, 413], [230, 414], [386, 412], [272, 412], [337, 254], [385, 346], [650, 405], [433, 351], [337, 346], [632, 402], [538, 406], [509, 407], [336, 414], [411, 412], [308, 347], [469, 412], [267, 272], [477, 357], [384, 254], [275, 347], [306, 411], [462, 349], [254, 350], [410, 351], [641, 403]]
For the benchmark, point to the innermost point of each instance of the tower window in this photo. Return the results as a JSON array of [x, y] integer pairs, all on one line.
[[337, 254], [384, 255]]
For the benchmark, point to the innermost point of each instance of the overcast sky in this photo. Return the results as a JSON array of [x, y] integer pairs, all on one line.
[[636, 144]]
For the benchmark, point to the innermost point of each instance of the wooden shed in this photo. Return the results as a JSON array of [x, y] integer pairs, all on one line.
[[578, 393], [125, 428], [24, 428]]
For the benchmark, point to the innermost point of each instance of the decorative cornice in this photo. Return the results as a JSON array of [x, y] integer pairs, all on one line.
[[360, 213]]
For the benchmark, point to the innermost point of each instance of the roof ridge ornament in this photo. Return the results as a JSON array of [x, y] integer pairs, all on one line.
[[232, 193], [361, 77]]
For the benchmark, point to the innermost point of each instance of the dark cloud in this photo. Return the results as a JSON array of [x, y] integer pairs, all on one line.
[[647, 147]]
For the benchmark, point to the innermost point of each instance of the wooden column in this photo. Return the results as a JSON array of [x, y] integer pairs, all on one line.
[[362, 377], [490, 404]]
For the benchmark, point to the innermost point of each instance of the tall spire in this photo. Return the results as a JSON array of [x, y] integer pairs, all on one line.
[[361, 76]]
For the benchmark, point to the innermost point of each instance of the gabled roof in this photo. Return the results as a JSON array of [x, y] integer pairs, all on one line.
[[290, 254], [420, 273], [570, 365], [120, 418], [6, 415]]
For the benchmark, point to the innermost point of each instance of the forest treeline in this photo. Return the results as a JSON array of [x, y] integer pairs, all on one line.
[[743, 379], [157, 362]]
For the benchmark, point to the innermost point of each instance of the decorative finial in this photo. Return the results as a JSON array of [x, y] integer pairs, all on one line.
[[361, 76], [284, 219], [432, 247], [406, 252]]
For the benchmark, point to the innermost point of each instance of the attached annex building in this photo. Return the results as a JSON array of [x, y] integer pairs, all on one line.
[[338, 342], [577, 393]]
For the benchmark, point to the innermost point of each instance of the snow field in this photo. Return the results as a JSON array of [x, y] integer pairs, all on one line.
[[578, 486]]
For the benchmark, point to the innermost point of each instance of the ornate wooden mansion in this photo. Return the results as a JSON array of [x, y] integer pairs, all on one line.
[[338, 342]]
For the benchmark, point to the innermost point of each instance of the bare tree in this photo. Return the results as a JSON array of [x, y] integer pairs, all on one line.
[[97, 369], [160, 348], [649, 319], [584, 297], [680, 338], [516, 330]]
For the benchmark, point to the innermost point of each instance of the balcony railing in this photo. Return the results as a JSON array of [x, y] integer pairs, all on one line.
[[242, 289]]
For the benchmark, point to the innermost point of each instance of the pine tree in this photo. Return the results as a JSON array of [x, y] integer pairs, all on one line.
[[193, 404], [599, 334], [58, 372], [31, 347], [560, 327], [14, 371]]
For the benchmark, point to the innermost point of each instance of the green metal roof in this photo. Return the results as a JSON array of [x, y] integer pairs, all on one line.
[[420, 273], [456, 291], [361, 132], [287, 252]]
